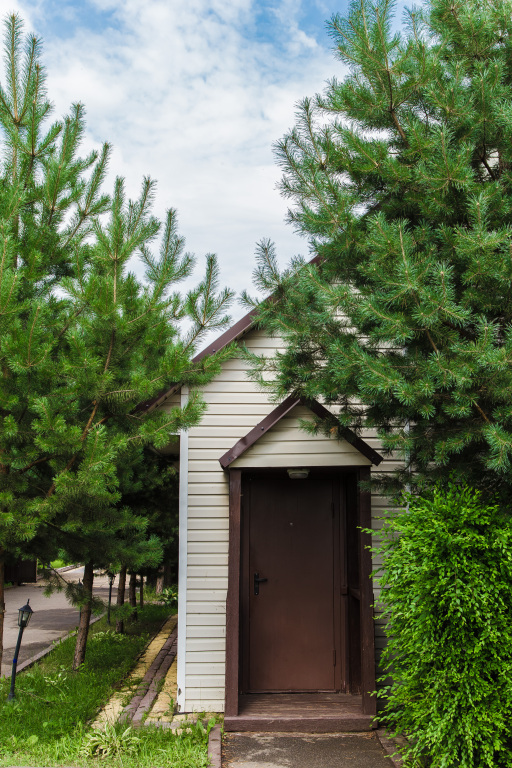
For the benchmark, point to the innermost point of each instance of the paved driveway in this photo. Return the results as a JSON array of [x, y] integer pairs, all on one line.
[[53, 617]]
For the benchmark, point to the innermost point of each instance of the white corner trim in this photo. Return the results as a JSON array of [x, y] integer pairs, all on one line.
[[182, 567]]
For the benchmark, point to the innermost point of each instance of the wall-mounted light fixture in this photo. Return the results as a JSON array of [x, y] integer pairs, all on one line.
[[298, 473]]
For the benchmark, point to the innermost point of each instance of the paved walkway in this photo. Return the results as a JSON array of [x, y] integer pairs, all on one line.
[[53, 617], [266, 750]]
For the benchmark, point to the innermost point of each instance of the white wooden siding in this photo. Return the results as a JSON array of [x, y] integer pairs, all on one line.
[[235, 406]]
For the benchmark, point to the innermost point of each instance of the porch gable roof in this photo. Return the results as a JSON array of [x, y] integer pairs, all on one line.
[[242, 445]]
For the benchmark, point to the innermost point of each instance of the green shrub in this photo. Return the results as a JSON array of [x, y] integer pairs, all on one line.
[[169, 597], [447, 592]]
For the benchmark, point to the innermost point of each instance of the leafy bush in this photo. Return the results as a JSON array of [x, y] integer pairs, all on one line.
[[447, 593], [109, 741], [169, 597]]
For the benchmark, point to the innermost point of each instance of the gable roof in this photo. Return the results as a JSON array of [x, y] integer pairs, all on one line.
[[235, 332], [280, 412]]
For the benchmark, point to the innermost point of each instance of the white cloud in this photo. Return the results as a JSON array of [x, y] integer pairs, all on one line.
[[187, 94]]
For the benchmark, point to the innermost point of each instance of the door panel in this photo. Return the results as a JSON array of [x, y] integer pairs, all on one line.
[[292, 632]]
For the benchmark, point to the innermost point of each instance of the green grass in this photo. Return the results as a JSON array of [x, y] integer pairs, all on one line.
[[47, 723]]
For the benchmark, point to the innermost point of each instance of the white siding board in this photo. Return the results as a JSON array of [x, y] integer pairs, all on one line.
[[208, 457], [299, 460], [203, 435], [205, 467], [215, 595], [196, 583], [221, 414], [205, 490], [214, 560], [208, 523], [217, 386], [207, 606], [196, 645], [205, 657], [203, 671], [213, 704], [202, 548], [248, 397], [210, 536], [277, 447], [209, 499], [206, 681], [211, 620], [208, 478], [206, 571], [207, 548], [208, 512], [207, 633]]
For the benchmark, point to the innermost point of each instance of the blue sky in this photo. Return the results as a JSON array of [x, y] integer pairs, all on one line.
[[192, 93], [60, 18]]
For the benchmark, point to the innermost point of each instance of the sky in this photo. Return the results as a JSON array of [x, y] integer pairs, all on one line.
[[194, 94]]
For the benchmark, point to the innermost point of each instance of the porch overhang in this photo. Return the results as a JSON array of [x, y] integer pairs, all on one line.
[[282, 410]]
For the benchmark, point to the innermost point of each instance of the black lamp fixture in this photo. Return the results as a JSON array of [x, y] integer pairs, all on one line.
[[24, 616]]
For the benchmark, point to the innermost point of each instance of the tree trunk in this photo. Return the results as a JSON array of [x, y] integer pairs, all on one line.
[[132, 595], [2, 603], [141, 593], [85, 617], [168, 574], [121, 586], [151, 580]]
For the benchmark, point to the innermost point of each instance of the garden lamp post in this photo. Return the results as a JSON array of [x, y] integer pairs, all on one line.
[[24, 615]]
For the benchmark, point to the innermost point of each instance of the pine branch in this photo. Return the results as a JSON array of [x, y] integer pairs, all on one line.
[[32, 464]]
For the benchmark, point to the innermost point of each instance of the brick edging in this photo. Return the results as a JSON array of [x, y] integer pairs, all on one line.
[[147, 690]]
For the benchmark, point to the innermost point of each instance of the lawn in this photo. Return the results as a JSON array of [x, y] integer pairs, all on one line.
[[48, 722]]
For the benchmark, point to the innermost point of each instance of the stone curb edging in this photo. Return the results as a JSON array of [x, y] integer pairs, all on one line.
[[152, 694], [390, 747], [215, 747], [68, 568], [40, 576]]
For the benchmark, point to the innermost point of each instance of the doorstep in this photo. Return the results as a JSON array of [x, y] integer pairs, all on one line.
[[300, 712]]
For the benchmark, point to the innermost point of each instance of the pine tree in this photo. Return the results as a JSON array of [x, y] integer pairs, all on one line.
[[400, 176], [83, 342]]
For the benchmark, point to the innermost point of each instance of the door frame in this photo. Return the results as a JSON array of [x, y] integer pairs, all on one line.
[[233, 600]]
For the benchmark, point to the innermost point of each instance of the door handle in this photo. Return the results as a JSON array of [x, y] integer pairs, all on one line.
[[257, 582]]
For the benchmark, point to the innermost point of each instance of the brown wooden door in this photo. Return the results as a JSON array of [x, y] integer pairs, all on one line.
[[292, 629]]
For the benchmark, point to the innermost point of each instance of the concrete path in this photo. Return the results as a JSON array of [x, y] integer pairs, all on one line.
[[265, 750], [53, 617]]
